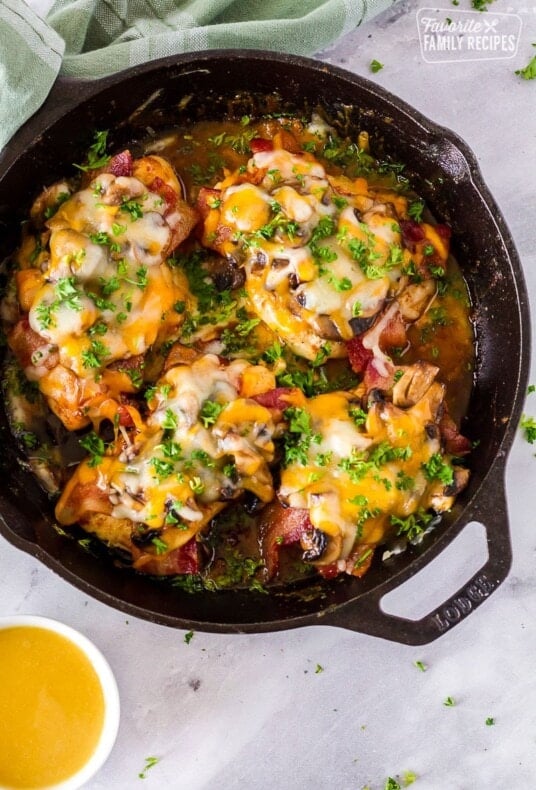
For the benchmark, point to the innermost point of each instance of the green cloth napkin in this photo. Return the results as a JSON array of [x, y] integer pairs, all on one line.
[[92, 38]]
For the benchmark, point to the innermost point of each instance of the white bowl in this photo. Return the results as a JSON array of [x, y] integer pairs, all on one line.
[[109, 690]]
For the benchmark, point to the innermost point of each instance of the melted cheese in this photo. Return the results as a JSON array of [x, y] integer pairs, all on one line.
[[347, 483], [185, 461], [105, 292], [307, 285]]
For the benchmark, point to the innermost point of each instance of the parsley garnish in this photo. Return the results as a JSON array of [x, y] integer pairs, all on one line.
[[162, 468], [528, 425], [273, 353], [94, 446], [68, 294], [93, 357], [96, 155], [436, 468], [449, 702], [197, 485], [413, 525], [299, 436], [415, 210], [529, 72], [358, 415], [104, 240], [169, 423], [375, 66], [188, 637], [210, 412], [160, 545], [132, 207]]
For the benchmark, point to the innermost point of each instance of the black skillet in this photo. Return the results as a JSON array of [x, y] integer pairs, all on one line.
[[205, 86]]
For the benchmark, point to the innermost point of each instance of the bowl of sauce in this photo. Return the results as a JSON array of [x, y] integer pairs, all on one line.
[[59, 705]]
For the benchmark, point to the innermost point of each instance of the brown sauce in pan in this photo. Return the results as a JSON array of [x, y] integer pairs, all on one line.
[[442, 336]]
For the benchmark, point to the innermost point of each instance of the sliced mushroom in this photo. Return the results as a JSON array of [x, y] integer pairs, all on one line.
[[314, 543], [415, 298], [325, 327], [414, 383], [226, 274]]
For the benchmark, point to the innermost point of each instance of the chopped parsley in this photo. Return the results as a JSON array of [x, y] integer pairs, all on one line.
[[197, 485], [103, 239], [375, 66], [96, 155], [480, 5], [95, 446], [210, 412], [160, 545], [449, 702], [421, 666], [528, 426], [162, 468], [273, 352], [299, 436], [188, 637], [358, 415], [415, 210], [93, 357], [413, 525], [490, 721], [436, 468], [150, 762], [68, 294], [529, 72], [169, 423], [132, 207]]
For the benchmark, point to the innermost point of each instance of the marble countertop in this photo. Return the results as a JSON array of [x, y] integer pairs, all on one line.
[[255, 711]]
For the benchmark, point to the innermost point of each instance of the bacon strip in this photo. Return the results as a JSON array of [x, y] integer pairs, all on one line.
[[278, 527], [120, 164]]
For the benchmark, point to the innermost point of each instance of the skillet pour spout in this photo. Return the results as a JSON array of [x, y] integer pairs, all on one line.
[[154, 96]]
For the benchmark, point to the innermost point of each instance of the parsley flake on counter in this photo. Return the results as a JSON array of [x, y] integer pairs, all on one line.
[[391, 784], [531, 388], [481, 5], [529, 72], [150, 762], [188, 637], [449, 702], [420, 665], [528, 425], [490, 721], [319, 669], [375, 66]]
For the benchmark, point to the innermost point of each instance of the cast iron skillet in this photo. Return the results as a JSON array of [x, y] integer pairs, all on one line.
[[203, 86]]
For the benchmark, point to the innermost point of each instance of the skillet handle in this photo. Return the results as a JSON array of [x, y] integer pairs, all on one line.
[[366, 615]]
